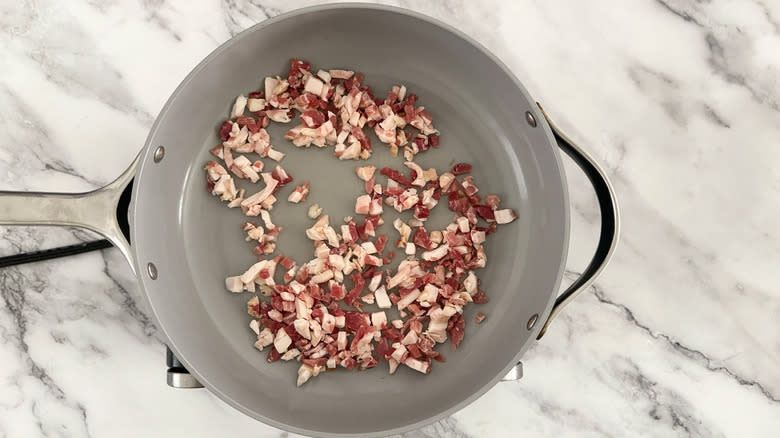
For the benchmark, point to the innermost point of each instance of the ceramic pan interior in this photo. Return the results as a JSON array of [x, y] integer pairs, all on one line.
[[195, 242]]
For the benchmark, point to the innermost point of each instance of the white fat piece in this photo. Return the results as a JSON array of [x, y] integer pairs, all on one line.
[[313, 85], [470, 283], [376, 280], [382, 299], [270, 85], [302, 327], [238, 107], [282, 341], [234, 284], [504, 216], [379, 319], [255, 104], [255, 326]]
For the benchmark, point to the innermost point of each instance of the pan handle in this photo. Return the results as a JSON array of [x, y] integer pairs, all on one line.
[[610, 220], [95, 210]]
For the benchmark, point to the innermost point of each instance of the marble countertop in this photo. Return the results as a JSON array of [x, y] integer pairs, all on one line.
[[679, 99]]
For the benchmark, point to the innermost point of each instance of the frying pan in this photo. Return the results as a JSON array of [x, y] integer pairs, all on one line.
[[184, 243]]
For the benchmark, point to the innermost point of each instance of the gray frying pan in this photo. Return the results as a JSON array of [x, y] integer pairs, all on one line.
[[184, 243]]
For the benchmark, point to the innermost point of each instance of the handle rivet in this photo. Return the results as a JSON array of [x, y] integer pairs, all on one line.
[[530, 119], [152, 271], [159, 153], [532, 321]]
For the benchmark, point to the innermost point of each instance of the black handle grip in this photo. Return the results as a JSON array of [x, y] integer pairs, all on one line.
[[48, 254], [610, 220]]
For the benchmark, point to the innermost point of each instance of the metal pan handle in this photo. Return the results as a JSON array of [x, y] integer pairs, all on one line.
[[95, 210], [100, 210], [610, 220]]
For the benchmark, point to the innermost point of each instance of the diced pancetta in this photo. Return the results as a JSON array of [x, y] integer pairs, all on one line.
[[341, 74], [341, 340], [302, 327], [362, 204], [238, 107], [257, 198], [382, 300], [408, 299], [282, 341], [470, 283], [504, 216], [304, 374], [379, 319], [279, 115], [234, 284], [410, 338], [255, 105], [328, 323], [264, 339], [313, 85], [303, 317], [365, 172], [299, 193], [436, 254], [399, 352], [418, 365]]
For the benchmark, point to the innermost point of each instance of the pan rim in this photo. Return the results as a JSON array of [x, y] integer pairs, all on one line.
[[149, 151]]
